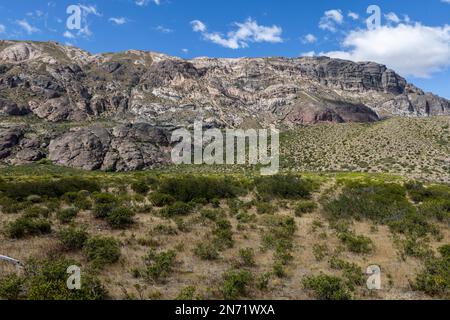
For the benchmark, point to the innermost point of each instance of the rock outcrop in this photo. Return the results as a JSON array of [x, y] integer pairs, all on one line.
[[114, 111]]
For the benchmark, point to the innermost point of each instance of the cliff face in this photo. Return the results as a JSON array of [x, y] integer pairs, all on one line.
[[135, 98]]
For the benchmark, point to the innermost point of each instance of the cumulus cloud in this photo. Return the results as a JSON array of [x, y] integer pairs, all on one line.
[[245, 33], [331, 19], [412, 50], [309, 38], [2, 28], [118, 20], [27, 27]]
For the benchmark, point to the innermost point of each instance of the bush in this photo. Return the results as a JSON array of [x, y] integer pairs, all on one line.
[[102, 251], [188, 188], [11, 287], [283, 186], [102, 210], [36, 211], [160, 199], [186, 294], [305, 207], [356, 243], [327, 287], [48, 281], [105, 198], [379, 202], [265, 208], [223, 234], [435, 278], [247, 257], [235, 284], [160, 265], [176, 209], [120, 217], [24, 226], [67, 215], [353, 274], [206, 251], [47, 188], [140, 187], [72, 238]]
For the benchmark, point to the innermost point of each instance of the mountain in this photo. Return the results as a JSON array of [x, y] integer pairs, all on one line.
[[115, 111]]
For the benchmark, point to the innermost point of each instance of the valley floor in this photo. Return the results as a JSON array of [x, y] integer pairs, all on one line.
[[163, 235]]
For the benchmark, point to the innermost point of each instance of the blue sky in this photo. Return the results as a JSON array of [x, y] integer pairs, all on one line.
[[413, 38]]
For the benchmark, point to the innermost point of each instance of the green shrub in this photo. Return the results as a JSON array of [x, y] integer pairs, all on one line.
[[351, 272], [188, 188], [36, 211], [140, 187], [176, 209], [24, 226], [416, 247], [160, 265], [11, 287], [73, 238], [438, 209], [159, 199], [48, 281], [414, 224], [103, 210], [235, 283], [47, 188], [10, 205], [305, 207], [206, 251], [67, 215], [120, 217], [327, 287], [102, 251], [247, 257], [265, 208], [223, 234], [105, 198], [435, 277], [356, 243], [186, 294], [283, 186]]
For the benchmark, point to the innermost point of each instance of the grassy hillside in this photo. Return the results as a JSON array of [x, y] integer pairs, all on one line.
[[410, 147]]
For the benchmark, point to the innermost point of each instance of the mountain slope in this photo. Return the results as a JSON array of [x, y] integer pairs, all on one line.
[[116, 111]]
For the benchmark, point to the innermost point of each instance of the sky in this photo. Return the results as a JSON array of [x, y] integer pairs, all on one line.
[[411, 37]]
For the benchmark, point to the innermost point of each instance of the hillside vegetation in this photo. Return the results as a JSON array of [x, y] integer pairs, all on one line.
[[165, 235]]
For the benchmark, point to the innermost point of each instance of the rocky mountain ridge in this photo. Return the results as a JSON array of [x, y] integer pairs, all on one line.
[[115, 111]]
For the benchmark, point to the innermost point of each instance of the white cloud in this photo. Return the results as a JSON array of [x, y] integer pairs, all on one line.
[[309, 38], [198, 26], [445, 1], [163, 29], [308, 54], [68, 35], [353, 15], [392, 17], [118, 20], [185, 50], [2, 28], [412, 50], [27, 27], [330, 19], [248, 31], [143, 3]]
